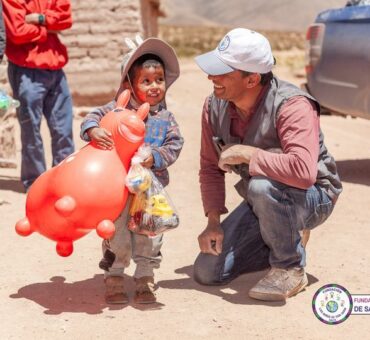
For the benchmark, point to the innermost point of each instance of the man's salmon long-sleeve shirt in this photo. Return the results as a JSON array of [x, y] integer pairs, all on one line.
[[298, 131]]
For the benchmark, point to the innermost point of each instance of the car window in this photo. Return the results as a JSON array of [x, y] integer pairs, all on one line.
[[357, 2]]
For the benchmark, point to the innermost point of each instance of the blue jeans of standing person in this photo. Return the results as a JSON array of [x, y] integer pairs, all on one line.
[[265, 231], [41, 92]]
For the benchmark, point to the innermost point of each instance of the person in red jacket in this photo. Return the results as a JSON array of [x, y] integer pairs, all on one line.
[[36, 59], [2, 34]]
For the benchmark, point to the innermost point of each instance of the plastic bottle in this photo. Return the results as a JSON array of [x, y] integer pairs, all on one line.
[[6, 103]]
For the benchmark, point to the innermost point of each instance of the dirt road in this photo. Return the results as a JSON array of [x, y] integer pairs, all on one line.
[[44, 296]]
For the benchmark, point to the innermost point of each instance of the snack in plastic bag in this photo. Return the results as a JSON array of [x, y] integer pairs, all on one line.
[[136, 211], [138, 178], [159, 215]]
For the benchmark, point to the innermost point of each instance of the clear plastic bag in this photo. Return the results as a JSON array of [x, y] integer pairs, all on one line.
[[151, 210], [138, 178], [159, 214]]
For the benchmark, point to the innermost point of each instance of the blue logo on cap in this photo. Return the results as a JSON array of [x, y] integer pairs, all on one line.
[[224, 44]]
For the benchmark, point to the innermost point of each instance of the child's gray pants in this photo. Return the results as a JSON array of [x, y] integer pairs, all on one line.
[[145, 251]]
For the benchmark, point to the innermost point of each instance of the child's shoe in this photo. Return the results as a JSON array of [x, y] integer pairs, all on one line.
[[115, 290], [144, 292], [107, 261]]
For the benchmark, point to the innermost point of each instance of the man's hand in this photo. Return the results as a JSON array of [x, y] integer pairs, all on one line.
[[148, 163], [234, 154], [210, 240], [32, 18], [102, 137]]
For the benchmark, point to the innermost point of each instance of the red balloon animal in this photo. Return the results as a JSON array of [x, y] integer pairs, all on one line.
[[87, 190]]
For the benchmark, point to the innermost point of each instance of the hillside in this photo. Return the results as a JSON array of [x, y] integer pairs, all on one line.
[[281, 15]]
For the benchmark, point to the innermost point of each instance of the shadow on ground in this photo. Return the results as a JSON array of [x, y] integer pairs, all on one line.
[[354, 171], [86, 296], [235, 292], [11, 184]]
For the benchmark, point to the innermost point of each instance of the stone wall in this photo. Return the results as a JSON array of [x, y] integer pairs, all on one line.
[[95, 45]]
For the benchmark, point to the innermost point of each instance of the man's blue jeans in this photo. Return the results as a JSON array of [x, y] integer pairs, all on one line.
[[41, 92], [265, 231]]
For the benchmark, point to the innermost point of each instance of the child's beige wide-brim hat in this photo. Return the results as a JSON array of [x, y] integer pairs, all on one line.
[[162, 50]]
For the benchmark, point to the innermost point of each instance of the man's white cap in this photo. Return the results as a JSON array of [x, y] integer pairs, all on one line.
[[240, 49]]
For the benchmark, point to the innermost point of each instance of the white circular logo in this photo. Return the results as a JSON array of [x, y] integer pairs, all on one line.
[[224, 44], [332, 304]]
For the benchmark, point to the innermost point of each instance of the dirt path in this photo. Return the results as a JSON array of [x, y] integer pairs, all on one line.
[[44, 296]]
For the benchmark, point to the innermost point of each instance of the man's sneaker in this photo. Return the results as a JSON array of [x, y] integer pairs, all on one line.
[[279, 284], [144, 292], [115, 290]]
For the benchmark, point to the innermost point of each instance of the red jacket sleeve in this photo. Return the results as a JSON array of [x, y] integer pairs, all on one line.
[[17, 30], [59, 17]]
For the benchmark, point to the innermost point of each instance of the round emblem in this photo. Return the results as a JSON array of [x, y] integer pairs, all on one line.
[[332, 304], [224, 44]]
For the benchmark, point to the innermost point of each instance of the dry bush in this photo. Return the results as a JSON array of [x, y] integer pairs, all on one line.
[[192, 40], [293, 59]]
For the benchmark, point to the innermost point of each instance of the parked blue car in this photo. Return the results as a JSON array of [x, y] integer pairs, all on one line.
[[338, 60]]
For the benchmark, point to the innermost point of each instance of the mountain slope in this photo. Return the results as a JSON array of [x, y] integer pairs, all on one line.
[[283, 15]]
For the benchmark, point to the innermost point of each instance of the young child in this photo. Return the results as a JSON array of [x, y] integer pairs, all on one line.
[[147, 71]]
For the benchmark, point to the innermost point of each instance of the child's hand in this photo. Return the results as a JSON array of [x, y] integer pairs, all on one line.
[[102, 137], [148, 163]]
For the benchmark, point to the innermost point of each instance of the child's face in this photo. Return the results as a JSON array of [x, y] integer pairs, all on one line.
[[149, 84]]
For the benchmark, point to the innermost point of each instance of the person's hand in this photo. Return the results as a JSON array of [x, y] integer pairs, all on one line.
[[234, 154], [32, 18], [148, 163], [210, 240], [102, 137]]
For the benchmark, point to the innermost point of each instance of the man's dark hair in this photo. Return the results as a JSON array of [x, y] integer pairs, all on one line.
[[265, 77], [146, 60]]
